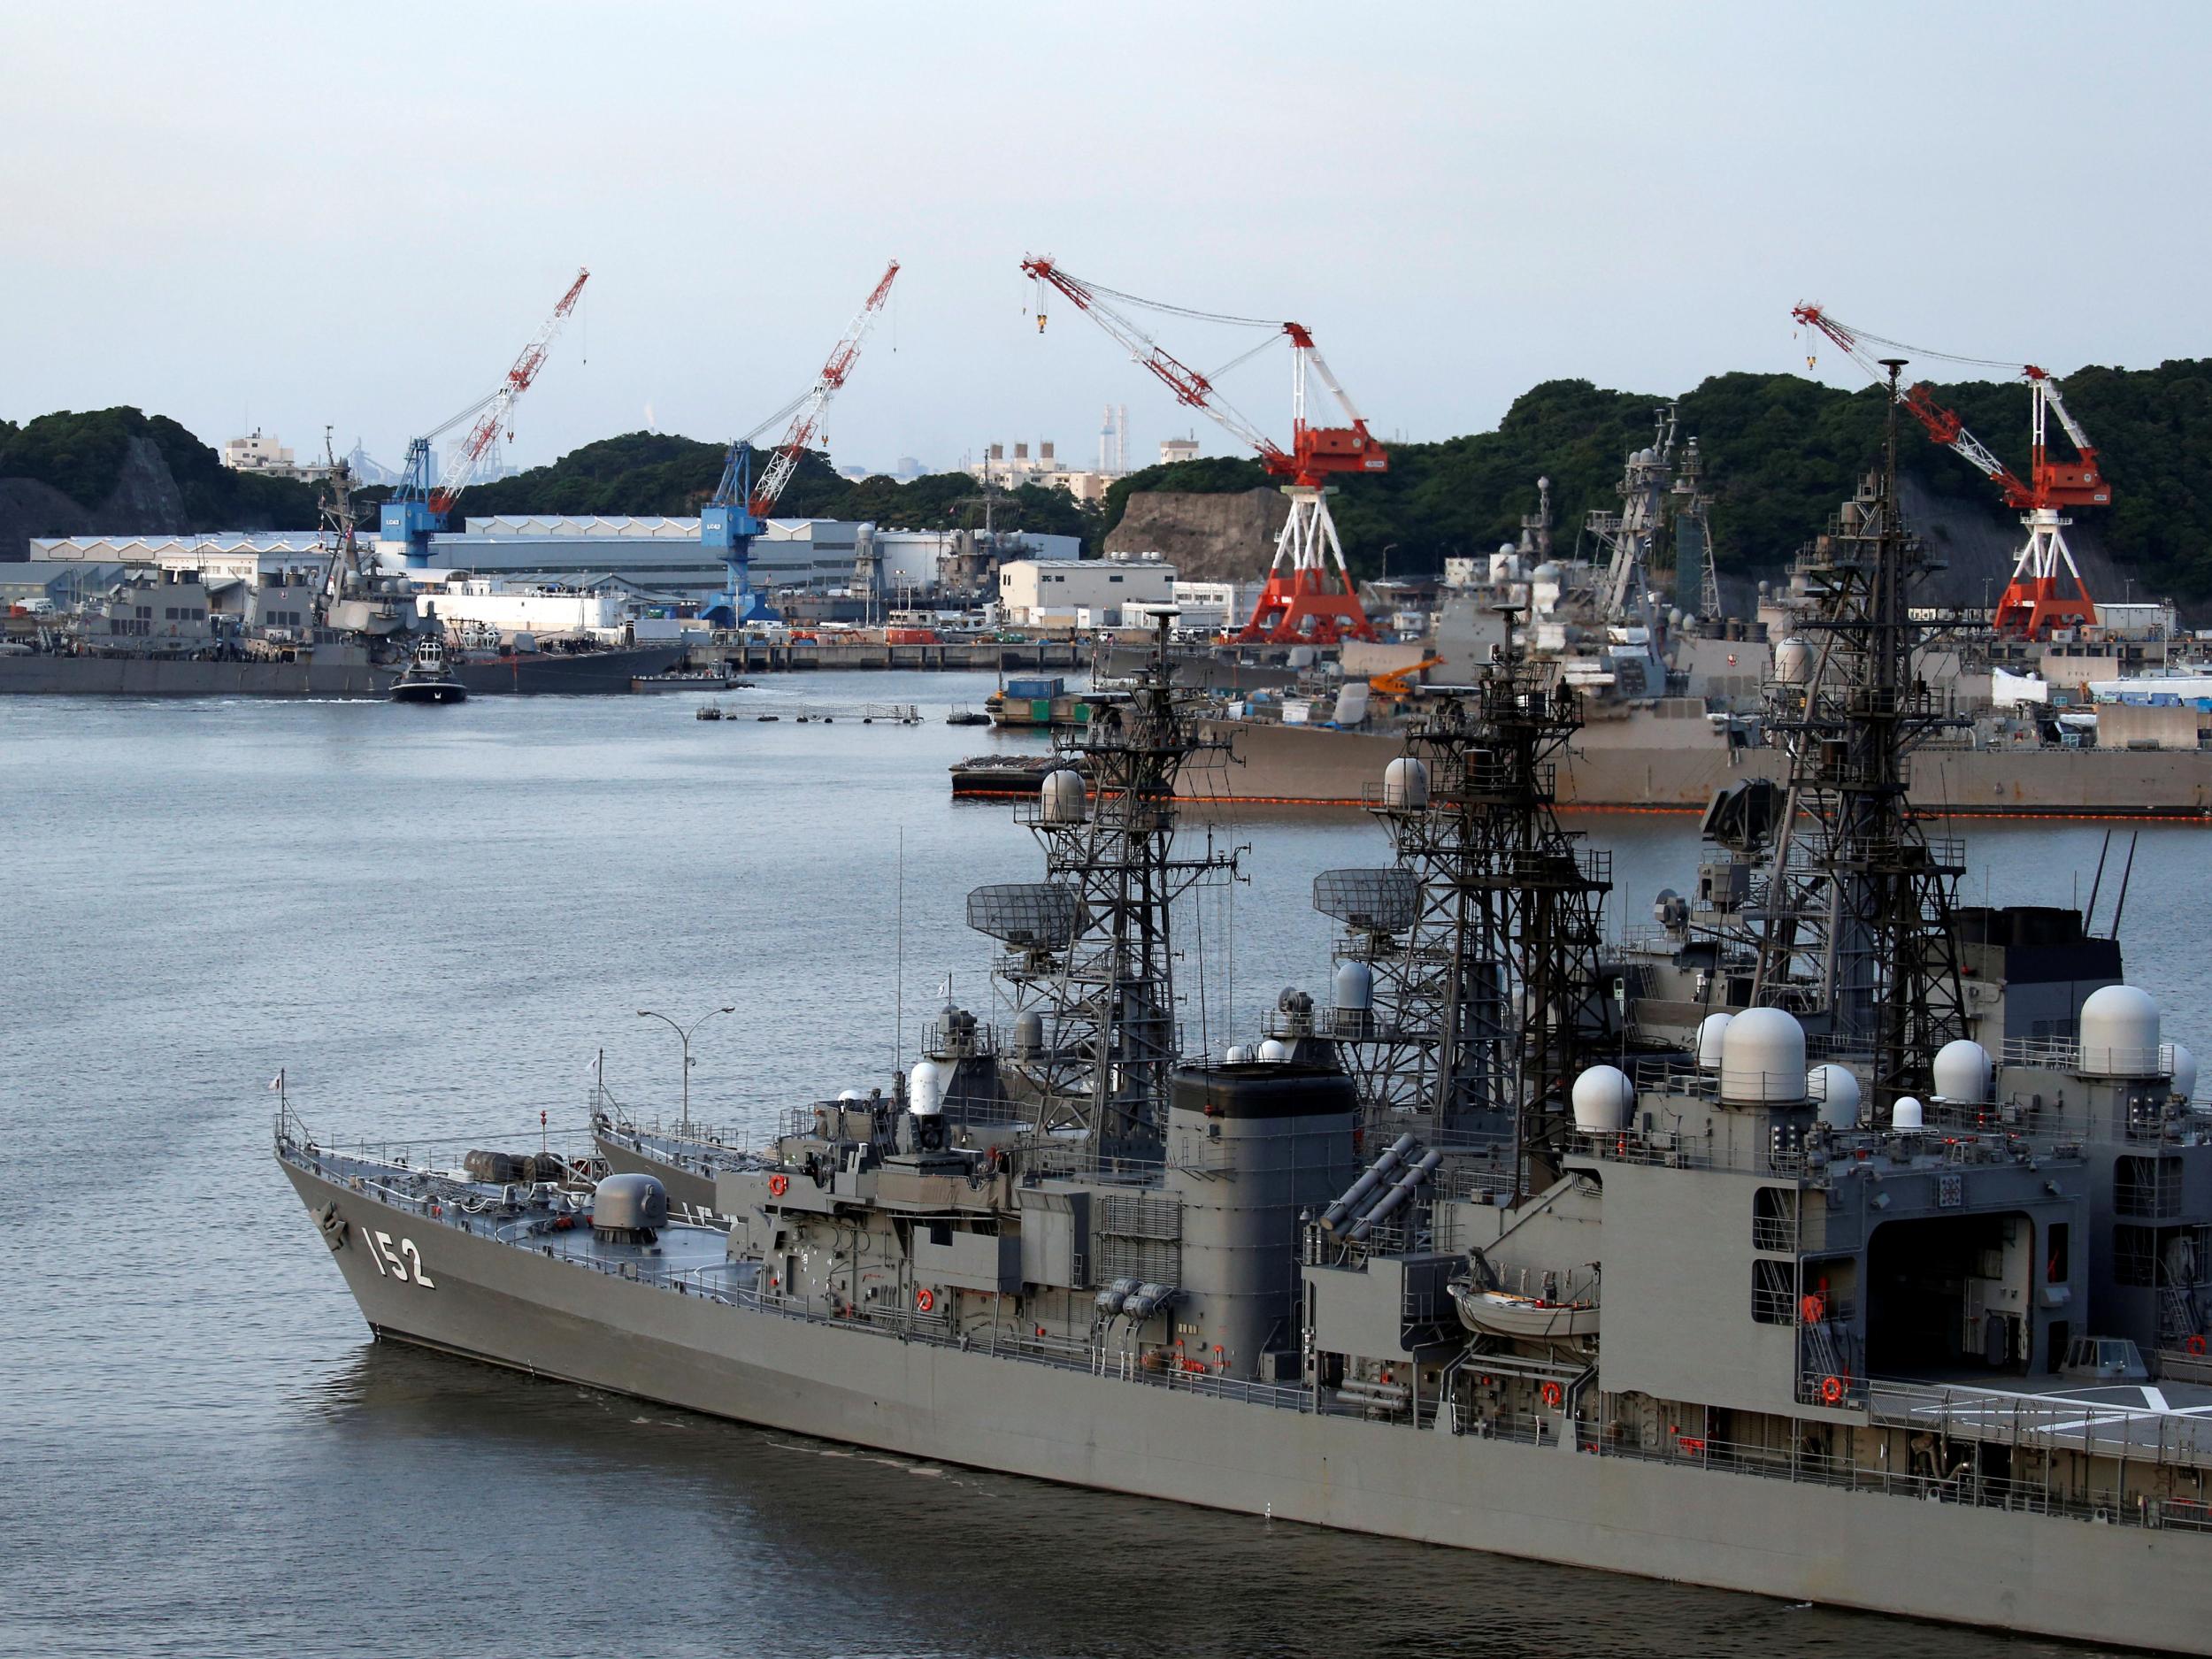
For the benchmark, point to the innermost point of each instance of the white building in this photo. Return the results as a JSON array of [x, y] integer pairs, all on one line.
[[1215, 605], [1053, 594], [1175, 450], [1045, 468], [260, 453]]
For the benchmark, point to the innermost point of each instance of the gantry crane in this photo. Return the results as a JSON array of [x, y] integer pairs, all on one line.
[[1309, 598], [419, 508], [2037, 598], [738, 510]]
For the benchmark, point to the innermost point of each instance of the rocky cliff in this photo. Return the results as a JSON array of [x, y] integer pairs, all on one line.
[[1207, 538]]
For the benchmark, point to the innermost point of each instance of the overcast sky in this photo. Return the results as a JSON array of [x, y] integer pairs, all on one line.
[[302, 215]]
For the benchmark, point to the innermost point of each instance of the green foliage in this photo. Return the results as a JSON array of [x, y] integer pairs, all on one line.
[[82, 455]]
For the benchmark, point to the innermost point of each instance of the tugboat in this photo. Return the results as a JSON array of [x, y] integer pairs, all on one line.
[[428, 679]]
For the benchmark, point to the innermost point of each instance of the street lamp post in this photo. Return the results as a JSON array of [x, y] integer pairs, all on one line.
[[683, 1033]]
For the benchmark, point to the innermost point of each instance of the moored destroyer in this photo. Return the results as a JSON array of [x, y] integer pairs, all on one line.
[[1490, 1249]]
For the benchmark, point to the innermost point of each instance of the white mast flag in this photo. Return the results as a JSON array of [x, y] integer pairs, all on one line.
[[276, 1083]]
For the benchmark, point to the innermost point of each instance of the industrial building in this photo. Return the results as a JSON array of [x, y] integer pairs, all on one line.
[[664, 557], [1090, 593]]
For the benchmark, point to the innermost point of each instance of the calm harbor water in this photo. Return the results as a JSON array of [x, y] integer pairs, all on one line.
[[434, 920]]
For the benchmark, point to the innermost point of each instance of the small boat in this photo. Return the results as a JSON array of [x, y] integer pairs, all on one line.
[[429, 678], [702, 680], [962, 714], [707, 711], [1524, 1318]]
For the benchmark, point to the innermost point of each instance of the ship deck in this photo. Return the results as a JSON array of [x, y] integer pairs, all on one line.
[[680, 1251], [2170, 1420]]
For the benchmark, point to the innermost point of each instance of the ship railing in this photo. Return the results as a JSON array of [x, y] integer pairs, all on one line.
[[2065, 1054]]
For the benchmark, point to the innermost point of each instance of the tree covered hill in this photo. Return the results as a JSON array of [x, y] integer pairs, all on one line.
[[1780, 452]]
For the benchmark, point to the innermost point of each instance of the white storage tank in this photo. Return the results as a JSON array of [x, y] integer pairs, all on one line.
[[1763, 1058], [1355, 987], [926, 1090], [1834, 1089], [1406, 782], [1603, 1099], [2119, 1034], [1712, 1030], [1961, 1072], [1060, 800], [1907, 1117], [1793, 662]]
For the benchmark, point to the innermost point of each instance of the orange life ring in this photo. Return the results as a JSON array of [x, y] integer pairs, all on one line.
[[2194, 1345], [779, 1184], [1554, 1394], [926, 1299], [1832, 1391]]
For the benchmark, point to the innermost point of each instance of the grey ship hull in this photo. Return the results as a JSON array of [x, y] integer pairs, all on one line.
[[544, 672], [512, 1307], [1633, 767]]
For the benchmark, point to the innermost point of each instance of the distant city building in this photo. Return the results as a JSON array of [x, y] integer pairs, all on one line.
[[259, 452], [1175, 450], [1215, 605], [1044, 468]]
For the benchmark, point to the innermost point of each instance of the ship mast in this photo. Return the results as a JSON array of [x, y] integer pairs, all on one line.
[[1858, 918], [1481, 945], [1091, 949]]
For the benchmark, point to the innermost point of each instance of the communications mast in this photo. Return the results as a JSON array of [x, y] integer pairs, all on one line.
[[419, 508], [1309, 598], [2038, 597], [739, 509]]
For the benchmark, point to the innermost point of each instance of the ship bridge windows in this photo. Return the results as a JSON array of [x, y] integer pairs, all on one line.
[[1948, 1293]]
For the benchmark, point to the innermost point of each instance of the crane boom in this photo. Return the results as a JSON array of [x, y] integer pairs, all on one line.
[[804, 424], [1191, 388], [461, 469]]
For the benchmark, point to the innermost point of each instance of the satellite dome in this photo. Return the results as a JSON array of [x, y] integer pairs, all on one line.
[[1506, 550], [1645, 457], [1274, 1049], [926, 1090], [1793, 662], [1238, 1055], [1029, 1030], [1835, 1090], [2119, 1034], [1961, 1072], [1907, 1115], [1763, 1058], [1354, 985], [1548, 572], [850, 1094], [1060, 799], [1603, 1098], [629, 1204], [1406, 782], [1710, 1032], [2184, 1072]]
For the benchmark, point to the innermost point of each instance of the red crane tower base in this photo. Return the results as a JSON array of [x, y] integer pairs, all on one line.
[[1301, 607]]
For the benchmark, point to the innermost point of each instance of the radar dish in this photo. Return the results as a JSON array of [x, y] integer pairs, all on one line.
[[1034, 915], [1379, 900]]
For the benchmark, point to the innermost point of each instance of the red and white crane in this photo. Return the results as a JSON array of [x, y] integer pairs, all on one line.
[[1309, 598], [419, 507], [2037, 598]]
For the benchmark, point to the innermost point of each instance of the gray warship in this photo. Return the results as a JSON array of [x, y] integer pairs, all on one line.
[[1831, 1243]]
